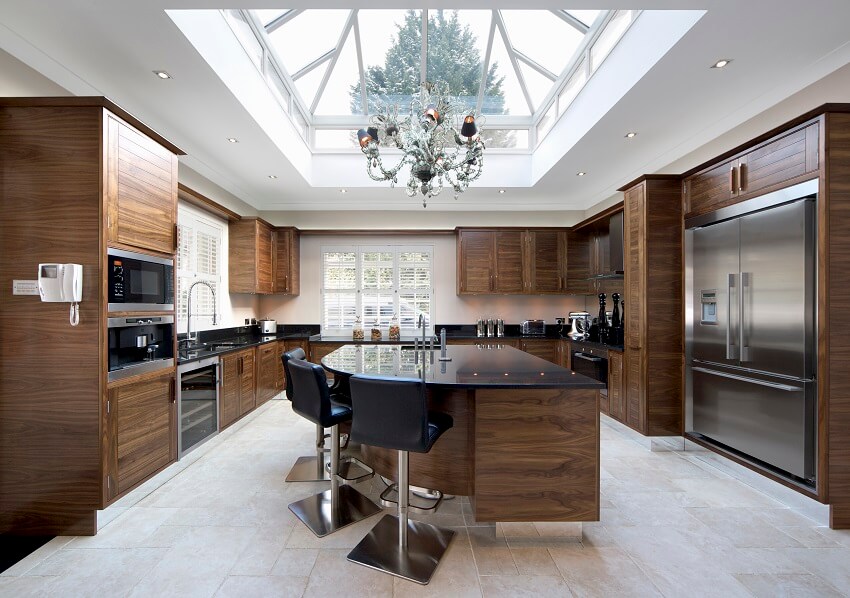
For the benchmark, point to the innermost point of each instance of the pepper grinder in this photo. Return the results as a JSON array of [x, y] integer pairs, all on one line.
[[616, 336], [603, 320]]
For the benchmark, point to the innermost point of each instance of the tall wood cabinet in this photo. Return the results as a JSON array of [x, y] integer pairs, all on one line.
[[653, 345], [79, 175], [507, 261]]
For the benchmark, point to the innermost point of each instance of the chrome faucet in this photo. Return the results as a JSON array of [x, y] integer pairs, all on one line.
[[189, 336]]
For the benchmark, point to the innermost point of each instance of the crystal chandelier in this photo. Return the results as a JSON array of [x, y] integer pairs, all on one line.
[[432, 145]]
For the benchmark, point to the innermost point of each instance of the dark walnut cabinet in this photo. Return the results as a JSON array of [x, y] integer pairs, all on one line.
[[544, 348], [140, 423], [267, 372], [262, 259], [504, 261], [141, 190], [595, 250], [789, 157], [653, 345], [238, 386]]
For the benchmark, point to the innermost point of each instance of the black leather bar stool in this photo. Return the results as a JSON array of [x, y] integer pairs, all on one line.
[[342, 505], [393, 413], [308, 468]]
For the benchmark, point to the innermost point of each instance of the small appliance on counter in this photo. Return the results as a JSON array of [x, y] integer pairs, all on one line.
[[533, 328], [579, 325], [267, 326]]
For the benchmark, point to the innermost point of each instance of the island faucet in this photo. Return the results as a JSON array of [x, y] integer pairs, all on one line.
[[189, 336]]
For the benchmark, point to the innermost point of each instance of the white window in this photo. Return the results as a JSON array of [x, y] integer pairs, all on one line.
[[199, 240], [376, 283]]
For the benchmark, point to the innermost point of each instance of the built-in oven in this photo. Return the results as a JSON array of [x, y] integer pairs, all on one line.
[[137, 345], [591, 363], [197, 403], [139, 282]]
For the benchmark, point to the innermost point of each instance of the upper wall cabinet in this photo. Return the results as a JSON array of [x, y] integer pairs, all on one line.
[[263, 260], [287, 261], [511, 261], [141, 189], [596, 255], [770, 165]]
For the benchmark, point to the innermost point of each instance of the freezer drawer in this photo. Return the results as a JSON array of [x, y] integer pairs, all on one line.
[[769, 419]]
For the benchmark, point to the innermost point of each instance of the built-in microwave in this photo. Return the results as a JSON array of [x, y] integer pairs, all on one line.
[[139, 282]]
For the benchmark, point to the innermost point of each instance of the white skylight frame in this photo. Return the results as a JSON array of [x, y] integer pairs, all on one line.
[[309, 122]]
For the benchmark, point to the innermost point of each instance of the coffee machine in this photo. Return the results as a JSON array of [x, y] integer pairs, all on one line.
[[579, 325]]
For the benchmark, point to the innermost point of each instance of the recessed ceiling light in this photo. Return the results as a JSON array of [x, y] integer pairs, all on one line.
[[631, 135], [233, 140], [581, 173], [721, 63], [501, 191], [162, 75], [343, 190], [272, 176]]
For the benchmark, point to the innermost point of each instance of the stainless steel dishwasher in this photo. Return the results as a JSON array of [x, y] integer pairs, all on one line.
[[197, 403]]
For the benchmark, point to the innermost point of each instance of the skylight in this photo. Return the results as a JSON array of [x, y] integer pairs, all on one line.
[[338, 65]]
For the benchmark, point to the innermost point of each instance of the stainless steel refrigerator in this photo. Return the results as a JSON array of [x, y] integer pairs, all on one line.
[[750, 329]]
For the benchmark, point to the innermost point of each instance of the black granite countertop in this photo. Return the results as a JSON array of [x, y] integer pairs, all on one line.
[[470, 367], [212, 343]]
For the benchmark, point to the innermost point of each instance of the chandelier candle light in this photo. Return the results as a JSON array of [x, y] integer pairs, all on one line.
[[430, 142]]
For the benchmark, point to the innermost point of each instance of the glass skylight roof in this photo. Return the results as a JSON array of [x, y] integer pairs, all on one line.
[[339, 65], [320, 49]]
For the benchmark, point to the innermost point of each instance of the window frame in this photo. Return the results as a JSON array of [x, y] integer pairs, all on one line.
[[199, 222], [395, 289]]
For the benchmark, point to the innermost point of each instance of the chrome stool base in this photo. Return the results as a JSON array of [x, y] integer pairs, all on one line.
[[310, 469], [319, 513], [416, 562]]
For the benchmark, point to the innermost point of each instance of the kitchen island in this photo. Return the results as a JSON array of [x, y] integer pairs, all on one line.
[[525, 441]]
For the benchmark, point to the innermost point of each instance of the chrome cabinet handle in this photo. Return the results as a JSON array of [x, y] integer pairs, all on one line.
[[586, 357], [729, 281], [742, 343], [741, 171], [777, 386], [733, 186]]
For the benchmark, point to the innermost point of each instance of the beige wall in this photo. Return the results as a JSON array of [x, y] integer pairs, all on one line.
[[449, 307], [19, 80]]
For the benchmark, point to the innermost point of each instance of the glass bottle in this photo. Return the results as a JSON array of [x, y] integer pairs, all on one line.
[[376, 331], [357, 332], [395, 331]]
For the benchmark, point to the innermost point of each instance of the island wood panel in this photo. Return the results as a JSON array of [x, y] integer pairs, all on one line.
[[248, 380], [144, 199], [144, 425], [474, 261], [268, 360], [508, 264], [536, 453], [448, 466], [50, 454], [837, 248], [231, 386]]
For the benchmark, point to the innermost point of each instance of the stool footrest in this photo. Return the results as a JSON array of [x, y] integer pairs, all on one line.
[[353, 470], [416, 503], [426, 545]]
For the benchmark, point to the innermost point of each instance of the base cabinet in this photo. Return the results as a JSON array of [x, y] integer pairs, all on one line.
[[237, 395], [615, 405], [141, 427], [548, 349], [267, 372]]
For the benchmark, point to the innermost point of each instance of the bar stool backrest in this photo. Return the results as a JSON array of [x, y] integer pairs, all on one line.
[[296, 353], [310, 396], [389, 412]]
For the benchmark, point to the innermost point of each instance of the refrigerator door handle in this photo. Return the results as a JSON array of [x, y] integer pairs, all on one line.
[[730, 282], [777, 386], [742, 342]]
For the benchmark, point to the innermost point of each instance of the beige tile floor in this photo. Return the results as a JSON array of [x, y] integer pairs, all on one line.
[[674, 523]]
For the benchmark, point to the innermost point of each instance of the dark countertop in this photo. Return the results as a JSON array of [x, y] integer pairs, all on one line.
[[225, 345], [470, 367]]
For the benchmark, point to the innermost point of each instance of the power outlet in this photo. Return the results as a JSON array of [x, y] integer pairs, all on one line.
[[560, 321], [247, 321]]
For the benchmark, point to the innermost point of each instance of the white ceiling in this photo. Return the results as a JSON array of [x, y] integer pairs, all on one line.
[[110, 47]]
